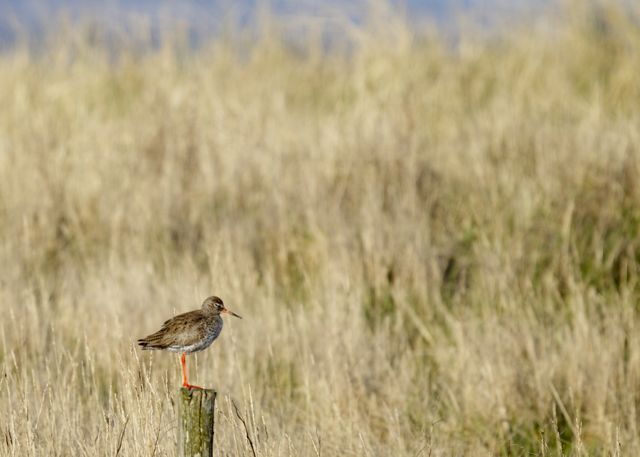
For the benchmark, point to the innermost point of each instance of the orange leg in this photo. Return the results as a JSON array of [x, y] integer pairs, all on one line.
[[183, 362]]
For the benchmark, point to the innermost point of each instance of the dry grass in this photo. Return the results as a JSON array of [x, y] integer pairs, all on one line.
[[435, 250]]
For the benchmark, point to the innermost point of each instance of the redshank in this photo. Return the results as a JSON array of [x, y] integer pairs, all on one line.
[[189, 332]]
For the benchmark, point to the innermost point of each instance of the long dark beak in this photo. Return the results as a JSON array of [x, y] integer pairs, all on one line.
[[232, 313]]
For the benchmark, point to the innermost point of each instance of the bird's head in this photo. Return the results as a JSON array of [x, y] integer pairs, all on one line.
[[215, 305]]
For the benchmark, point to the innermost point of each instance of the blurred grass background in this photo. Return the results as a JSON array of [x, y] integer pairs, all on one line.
[[434, 245]]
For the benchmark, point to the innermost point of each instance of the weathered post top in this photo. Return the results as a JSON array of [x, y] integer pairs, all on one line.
[[197, 408]]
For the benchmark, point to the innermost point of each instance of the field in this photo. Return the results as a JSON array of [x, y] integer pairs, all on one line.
[[433, 244]]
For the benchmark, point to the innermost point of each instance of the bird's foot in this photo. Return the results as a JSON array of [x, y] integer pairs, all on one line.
[[191, 386]]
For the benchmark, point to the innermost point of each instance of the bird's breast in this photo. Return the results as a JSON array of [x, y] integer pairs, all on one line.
[[215, 329], [212, 333]]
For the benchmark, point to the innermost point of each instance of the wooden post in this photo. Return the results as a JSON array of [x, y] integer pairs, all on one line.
[[196, 422]]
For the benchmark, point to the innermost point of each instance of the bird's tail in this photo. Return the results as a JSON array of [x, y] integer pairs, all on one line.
[[151, 342]]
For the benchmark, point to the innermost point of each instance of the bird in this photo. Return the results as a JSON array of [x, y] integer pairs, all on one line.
[[189, 332]]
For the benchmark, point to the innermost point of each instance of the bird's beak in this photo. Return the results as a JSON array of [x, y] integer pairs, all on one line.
[[226, 311]]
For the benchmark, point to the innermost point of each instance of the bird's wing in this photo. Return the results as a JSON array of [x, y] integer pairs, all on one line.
[[185, 329], [181, 330]]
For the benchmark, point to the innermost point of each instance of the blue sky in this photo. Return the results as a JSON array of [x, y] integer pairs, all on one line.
[[204, 17]]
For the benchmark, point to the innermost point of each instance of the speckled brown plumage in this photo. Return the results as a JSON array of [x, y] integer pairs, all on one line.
[[189, 332]]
